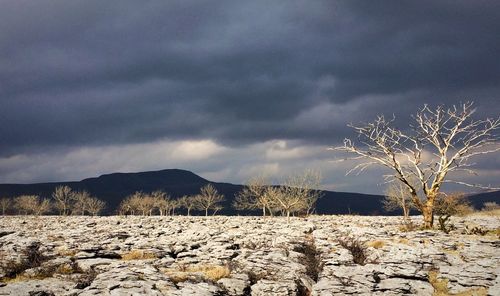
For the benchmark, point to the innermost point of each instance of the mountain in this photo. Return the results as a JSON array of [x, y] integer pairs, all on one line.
[[114, 187]]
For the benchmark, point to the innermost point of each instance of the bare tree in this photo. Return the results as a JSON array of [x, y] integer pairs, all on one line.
[[442, 141], [299, 193], [95, 206], [63, 197], [26, 204], [174, 204], [161, 201], [286, 200], [5, 203], [139, 203], [208, 199], [31, 205], [131, 204], [397, 197], [81, 202], [254, 196], [44, 206], [147, 204], [305, 186], [188, 203]]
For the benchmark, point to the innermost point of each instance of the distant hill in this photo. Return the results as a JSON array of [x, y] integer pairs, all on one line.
[[114, 187], [478, 199]]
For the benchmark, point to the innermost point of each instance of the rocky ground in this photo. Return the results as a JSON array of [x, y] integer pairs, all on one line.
[[323, 255]]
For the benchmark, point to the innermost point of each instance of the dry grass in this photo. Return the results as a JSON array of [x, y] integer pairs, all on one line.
[[494, 213], [494, 232], [67, 252], [19, 278], [377, 244], [68, 269], [441, 287], [211, 273], [404, 241], [23, 277], [138, 255], [408, 227]]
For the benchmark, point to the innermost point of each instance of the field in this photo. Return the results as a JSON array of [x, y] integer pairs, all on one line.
[[319, 255]]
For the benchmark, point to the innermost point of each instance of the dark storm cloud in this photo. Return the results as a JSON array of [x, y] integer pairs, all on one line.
[[91, 73]]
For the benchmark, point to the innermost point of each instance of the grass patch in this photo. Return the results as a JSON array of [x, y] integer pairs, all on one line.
[[138, 255], [211, 273], [408, 227], [404, 241], [377, 244], [441, 287], [22, 278], [67, 252]]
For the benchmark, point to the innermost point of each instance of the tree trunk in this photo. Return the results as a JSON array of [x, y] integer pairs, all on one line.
[[406, 213], [263, 211], [427, 212], [206, 212], [287, 216], [189, 210]]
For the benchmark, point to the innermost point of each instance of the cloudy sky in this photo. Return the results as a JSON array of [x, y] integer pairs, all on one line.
[[229, 89]]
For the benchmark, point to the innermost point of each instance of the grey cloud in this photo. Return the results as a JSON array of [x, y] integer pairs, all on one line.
[[93, 73]]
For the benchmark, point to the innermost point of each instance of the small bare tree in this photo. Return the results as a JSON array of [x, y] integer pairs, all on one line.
[[174, 204], [63, 197], [131, 204], [188, 203], [26, 204], [441, 141], [5, 203], [161, 201], [81, 202], [31, 205], [44, 206], [299, 193], [305, 186], [254, 196], [95, 206], [147, 205], [397, 197], [208, 199]]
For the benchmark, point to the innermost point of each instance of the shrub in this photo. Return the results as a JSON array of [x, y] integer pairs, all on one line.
[[448, 205], [31, 257], [86, 279], [312, 257], [475, 230], [356, 248]]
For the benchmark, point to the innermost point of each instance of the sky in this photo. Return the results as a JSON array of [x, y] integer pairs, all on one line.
[[230, 89]]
